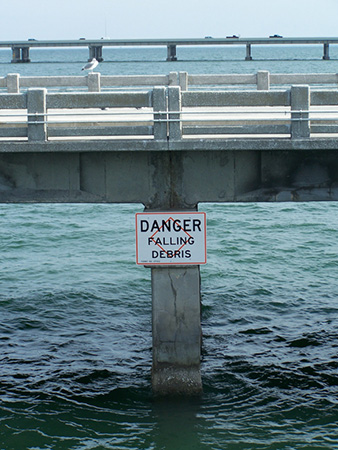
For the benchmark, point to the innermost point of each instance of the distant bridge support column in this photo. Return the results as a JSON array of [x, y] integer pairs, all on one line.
[[326, 55], [95, 51], [20, 55], [171, 53], [176, 330], [248, 56], [25, 54]]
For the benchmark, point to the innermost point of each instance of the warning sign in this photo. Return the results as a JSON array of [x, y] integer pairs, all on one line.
[[171, 238]]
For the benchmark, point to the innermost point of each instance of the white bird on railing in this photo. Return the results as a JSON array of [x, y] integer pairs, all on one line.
[[91, 65]]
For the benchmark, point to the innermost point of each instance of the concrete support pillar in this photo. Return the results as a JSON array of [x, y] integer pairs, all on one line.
[[300, 106], [248, 56], [263, 80], [36, 110], [94, 82], [171, 53], [326, 55], [25, 55], [174, 104], [91, 53], [95, 51], [176, 330], [13, 83], [98, 52], [20, 55], [16, 54]]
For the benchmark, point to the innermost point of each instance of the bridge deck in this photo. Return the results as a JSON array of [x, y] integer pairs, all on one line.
[[168, 148]]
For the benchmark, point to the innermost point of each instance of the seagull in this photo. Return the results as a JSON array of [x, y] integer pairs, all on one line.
[[91, 65]]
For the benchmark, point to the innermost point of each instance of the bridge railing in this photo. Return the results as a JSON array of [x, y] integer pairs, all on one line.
[[262, 80], [95, 82], [39, 116], [168, 113], [224, 113]]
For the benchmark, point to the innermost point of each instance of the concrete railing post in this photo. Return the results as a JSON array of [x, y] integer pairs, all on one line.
[[183, 80], [13, 83], [174, 104], [300, 106], [263, 80], [94, 82], [36, 110], [176, 330], [173, 79], [160, 114]]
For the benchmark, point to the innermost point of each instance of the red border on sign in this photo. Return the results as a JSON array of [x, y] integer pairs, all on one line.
[[170, 214]]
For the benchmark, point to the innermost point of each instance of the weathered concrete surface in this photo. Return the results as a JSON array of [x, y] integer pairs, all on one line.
[[169, 179], [176, 330]]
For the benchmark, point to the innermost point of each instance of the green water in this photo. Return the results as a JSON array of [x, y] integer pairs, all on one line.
[[75, 331]]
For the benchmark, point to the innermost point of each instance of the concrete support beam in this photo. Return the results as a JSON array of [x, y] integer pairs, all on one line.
[[176, 330]]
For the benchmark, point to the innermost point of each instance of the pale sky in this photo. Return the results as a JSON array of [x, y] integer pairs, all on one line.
[[127, 19]]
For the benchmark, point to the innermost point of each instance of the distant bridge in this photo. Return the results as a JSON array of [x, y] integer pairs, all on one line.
[[21, 49]]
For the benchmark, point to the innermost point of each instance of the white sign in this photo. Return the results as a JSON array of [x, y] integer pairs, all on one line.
[[171, 238]]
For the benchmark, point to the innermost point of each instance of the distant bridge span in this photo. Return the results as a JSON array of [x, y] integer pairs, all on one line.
[[21, 49]]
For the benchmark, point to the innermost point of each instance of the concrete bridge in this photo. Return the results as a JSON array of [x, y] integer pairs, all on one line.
[[21, 49], [170, 149]]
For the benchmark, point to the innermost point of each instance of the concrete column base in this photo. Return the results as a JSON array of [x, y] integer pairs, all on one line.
[[171, 380], [176, 330]]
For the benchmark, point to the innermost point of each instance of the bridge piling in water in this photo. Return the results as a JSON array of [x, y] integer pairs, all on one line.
[[95, 51], [326, 55], [171, 53], [248, 56], [176, 319], [20, 54]]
